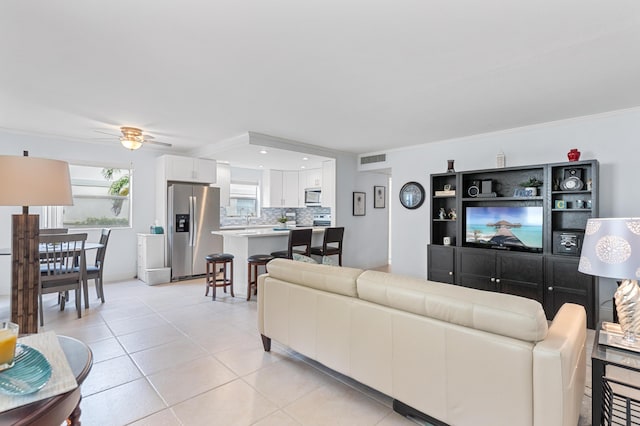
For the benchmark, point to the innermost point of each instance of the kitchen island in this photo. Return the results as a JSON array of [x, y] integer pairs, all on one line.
[[242, 243]]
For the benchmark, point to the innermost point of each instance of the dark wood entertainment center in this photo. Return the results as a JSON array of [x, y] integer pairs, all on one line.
[[549, 274]]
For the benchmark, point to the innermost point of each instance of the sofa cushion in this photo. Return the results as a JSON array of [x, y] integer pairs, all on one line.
[[321, 277], [503, 314]]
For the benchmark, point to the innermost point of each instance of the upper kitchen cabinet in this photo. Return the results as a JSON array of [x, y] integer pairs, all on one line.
[[280, 188], [223, 181], [328, 183], [188, 169], [311, 178]]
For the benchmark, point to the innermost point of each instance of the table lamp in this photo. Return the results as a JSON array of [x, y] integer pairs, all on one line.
[[29, 181], [611, 248]]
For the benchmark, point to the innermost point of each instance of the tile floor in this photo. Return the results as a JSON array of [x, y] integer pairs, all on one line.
[[167, 355]]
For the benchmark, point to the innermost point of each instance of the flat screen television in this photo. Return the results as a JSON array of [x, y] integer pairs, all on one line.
[[504, 227]]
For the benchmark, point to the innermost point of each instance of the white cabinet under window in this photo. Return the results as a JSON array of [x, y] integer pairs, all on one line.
[[189, 169]]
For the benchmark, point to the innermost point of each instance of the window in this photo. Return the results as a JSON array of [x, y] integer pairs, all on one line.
[[243, 199], [101, 197]]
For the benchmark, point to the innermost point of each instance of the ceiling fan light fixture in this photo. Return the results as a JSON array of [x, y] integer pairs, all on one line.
[[132, 137], [130, 143]]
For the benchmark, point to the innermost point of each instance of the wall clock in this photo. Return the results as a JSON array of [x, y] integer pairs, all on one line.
[[412, 195]]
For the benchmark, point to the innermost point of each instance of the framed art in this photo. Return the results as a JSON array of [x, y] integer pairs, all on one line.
[[359, 200], [379, 196]]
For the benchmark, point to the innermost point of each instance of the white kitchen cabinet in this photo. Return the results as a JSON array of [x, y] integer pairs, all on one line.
[[189, 169], [311, 178], [281, 188], [151, 267], [223, 181], [329, 184]]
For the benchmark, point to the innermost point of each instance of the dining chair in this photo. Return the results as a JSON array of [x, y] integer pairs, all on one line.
[[331, 244], [94, 272], [297, 238], [49, 231], [58, 271]]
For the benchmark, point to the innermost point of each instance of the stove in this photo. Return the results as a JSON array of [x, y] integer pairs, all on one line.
[[321, 220]]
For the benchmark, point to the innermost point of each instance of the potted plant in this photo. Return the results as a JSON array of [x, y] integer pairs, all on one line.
[[532, 185]]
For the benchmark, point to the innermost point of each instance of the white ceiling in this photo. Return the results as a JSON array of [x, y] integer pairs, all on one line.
[[352, 75]]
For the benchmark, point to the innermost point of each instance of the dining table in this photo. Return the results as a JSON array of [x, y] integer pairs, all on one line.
[[88, 246]]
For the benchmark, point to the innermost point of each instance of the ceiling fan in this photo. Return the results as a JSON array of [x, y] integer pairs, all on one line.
[[133, 138]]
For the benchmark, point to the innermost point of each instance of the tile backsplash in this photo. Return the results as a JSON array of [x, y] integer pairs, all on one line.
[[269, 216]]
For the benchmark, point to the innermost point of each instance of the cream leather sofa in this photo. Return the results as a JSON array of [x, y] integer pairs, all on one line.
[[458, 355]]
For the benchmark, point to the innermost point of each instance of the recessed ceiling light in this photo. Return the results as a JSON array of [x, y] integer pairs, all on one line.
[[302, 167], [305, 158], [260, 166], [263, 151]]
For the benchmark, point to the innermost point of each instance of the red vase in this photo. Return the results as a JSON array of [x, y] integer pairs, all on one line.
[[573, 155]]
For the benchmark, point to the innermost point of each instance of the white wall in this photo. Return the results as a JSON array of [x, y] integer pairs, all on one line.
[[366, 238], [611, 138], [120, 262]]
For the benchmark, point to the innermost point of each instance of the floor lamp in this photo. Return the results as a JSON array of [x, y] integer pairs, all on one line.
[[29, 181]]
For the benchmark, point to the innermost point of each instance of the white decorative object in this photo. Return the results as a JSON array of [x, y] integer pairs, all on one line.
[[501, 160]]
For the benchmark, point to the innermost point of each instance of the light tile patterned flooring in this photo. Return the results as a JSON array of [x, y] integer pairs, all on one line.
[[167, 355]]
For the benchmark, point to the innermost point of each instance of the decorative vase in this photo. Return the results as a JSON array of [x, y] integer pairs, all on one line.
[[450, 168], [627, 299], [573, 154]]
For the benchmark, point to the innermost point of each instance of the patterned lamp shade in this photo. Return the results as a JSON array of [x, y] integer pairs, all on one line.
[[611, 248]]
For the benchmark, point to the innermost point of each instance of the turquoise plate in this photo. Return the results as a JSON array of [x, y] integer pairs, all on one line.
[[30, 372]]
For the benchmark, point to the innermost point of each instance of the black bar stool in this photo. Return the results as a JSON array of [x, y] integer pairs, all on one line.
[[253, 262], [297, 238], [212, 280], [331, 244]]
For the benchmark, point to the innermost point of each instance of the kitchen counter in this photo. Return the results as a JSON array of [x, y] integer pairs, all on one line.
[[261, 232], [242, 243]]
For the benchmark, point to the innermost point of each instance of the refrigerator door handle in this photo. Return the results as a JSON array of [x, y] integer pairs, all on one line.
[[192, 217]]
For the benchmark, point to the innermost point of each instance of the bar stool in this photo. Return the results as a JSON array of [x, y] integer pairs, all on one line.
[[332, 236], [253, 262], [212, 280], [297, 238]]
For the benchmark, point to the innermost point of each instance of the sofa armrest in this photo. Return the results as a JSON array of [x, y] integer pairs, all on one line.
[[559, 369]]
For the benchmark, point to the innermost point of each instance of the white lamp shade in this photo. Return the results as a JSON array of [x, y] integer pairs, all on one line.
[[611, 248], [31, 181]]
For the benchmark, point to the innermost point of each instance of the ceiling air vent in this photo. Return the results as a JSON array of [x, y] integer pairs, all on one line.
[[378, 158]]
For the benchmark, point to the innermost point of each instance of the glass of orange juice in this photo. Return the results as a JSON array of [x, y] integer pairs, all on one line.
[[8, 337]]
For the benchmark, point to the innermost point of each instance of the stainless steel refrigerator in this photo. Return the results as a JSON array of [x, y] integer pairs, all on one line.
[[193, 212]]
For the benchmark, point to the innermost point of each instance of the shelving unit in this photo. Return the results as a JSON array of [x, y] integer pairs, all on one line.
[[568, 197]]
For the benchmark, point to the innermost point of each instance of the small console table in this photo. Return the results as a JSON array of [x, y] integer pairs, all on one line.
[[601, 357], [59, 408]]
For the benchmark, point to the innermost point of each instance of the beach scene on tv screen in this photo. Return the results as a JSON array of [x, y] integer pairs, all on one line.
[[505, 226]]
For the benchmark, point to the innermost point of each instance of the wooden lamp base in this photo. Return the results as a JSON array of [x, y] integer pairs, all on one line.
[[25, 271]]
